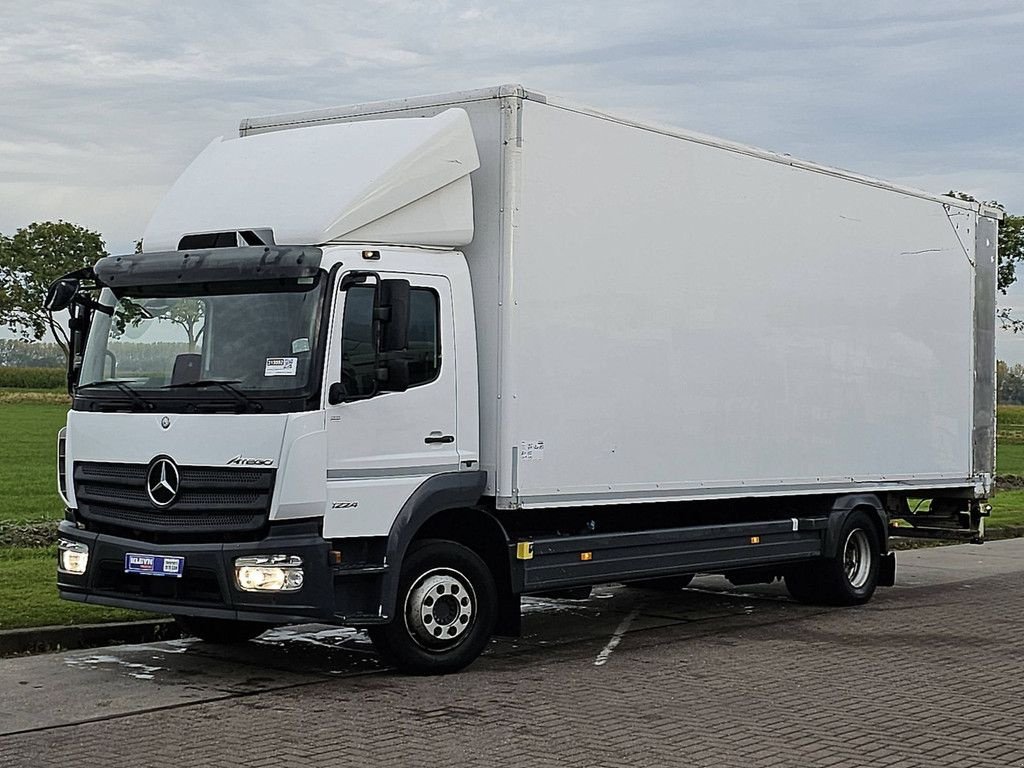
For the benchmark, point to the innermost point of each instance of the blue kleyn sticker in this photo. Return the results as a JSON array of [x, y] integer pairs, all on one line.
[[154, 565]]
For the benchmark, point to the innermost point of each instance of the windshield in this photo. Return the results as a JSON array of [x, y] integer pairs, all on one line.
[[194, 341]]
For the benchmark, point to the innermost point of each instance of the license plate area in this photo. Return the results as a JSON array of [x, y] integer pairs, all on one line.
[[154, 565]]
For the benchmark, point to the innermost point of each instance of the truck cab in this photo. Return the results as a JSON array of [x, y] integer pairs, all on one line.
[[249, 417]]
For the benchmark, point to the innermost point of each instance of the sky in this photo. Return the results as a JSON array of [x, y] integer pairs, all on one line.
[[103, 103]]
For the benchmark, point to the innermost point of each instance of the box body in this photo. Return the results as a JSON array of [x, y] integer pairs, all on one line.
[[667, 316]]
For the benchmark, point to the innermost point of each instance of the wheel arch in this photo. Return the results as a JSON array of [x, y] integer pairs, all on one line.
[[443, 508], [843, 507]]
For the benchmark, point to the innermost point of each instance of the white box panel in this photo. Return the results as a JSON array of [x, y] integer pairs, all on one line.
[[692, 318], [665, 315]]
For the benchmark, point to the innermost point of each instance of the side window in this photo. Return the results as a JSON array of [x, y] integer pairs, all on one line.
[[357, 345], [424, 353], [357, 369]]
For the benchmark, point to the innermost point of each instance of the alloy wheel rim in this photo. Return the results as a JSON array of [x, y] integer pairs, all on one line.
[[440, 609], [857, 558]]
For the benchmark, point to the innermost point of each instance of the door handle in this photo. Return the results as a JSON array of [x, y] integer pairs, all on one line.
[[439, 438]]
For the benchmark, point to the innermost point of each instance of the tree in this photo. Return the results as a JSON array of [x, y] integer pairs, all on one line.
[[1009, 384], [187, 313], [32, 259], [1011, 252], [26, 354]]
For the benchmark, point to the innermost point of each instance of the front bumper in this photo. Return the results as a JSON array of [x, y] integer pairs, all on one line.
[[207, 587]]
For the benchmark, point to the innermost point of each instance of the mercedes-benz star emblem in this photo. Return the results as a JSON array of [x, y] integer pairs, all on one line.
[[165, 422], [162, 481]]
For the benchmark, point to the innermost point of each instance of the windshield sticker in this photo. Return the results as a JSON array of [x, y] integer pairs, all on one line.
[[300, 345], [281, 366]]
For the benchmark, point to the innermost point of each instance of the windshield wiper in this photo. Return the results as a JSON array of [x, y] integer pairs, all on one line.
[[136, 398], [226, 385]]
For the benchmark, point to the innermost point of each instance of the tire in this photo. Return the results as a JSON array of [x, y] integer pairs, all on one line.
[[848, 578], [665, 584], [446, 611], [220, 631], [804, 584]]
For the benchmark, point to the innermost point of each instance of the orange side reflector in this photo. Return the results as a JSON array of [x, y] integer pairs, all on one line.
[[586, 555], [755, 539]]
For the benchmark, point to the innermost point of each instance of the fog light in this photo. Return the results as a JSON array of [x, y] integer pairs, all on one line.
[[72, 557], [269, 573]]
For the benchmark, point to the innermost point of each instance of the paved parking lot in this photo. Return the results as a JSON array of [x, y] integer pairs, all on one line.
[[931, 673]]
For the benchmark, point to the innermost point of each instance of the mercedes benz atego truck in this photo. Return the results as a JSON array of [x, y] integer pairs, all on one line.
[[396, 365]]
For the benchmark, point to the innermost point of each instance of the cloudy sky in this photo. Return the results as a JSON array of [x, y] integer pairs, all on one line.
[[103, 102]]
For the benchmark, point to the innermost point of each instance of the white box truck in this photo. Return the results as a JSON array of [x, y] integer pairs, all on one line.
[[396, 365]]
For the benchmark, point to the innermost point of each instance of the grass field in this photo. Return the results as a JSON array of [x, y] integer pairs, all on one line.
[[29, 421], [28, 593], [1008, 504], [1010, 440], [1007, 509], [28, 458]]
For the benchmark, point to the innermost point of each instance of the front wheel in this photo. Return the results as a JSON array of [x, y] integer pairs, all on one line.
[[850, 576], [220, 631], [447, 608]]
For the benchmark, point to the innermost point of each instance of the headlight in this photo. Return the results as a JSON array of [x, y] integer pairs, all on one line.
[[72, 557], [269, 573]]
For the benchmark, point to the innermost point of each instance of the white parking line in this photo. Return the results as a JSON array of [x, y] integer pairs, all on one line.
[[606, 652]]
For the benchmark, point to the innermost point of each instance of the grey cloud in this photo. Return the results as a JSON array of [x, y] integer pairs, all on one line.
[[105, 102]]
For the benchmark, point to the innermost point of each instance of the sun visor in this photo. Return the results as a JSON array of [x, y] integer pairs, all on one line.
[[399, 181]]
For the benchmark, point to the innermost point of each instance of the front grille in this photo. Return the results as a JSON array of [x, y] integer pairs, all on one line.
[[113, 497]]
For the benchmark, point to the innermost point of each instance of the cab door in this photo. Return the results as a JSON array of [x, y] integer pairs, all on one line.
[[381, 445]]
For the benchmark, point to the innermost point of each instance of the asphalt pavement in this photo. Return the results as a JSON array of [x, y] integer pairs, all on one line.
[[928, 674]]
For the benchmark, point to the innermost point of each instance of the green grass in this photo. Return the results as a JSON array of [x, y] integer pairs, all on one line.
[[28, 593], [18, 396], [28, 460], [1007, 509], [1008, 505], [1010, 415], [32, 378], [1010, 440], [1009, 457]]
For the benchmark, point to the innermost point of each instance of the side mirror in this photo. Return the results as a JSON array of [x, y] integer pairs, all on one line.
[[394, 299], [388, 323], [60, 294], [339, 393]]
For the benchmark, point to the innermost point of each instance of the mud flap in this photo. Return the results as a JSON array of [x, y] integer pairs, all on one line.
[[510, 616], [887, 570]]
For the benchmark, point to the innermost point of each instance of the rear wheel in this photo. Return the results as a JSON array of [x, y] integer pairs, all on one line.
[[850, 576], [446, 612], [220, 631]]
